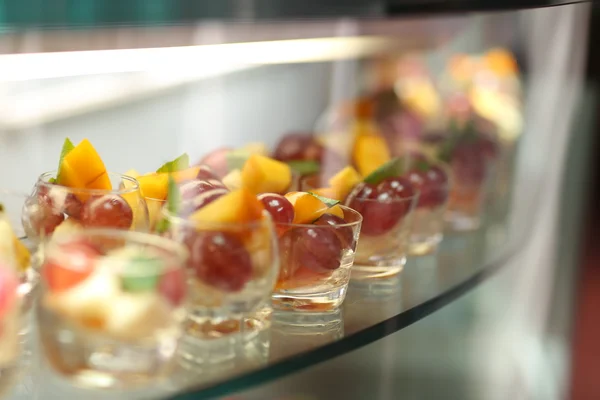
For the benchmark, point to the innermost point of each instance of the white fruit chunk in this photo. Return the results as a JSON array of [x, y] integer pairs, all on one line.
[[139, 315]]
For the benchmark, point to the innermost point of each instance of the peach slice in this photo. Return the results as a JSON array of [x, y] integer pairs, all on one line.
[[237, 206], [185, 174], [82, 168], [154, 186], [344, 181], [328, 192], [262, 174], [307, 207], [336, 210], [370, 151]]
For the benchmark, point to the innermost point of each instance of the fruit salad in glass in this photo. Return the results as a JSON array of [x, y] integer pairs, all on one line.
[[9, 327], [317, 242], [233, 260], [83, 194], [111, 306], [472, 159], [14, 252]]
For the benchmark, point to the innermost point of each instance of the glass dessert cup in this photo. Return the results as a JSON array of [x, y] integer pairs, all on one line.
[[154, 211], [232, 271], [467, 197], [10, 326], [18, 251], [111, 306], [385, 235], [315, 262], [53, 208]]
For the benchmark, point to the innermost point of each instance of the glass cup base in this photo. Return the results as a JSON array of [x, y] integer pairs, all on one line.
[[461, 222], [380, 268], [423, 245], [321, 301]]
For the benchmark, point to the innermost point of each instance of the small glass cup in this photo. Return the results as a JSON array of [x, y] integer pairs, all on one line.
[[467, 197], [385, 235], [232, 268], [315, 262], [52, 208], [111, 306], [20, 259], [154, 211], [10, 325]]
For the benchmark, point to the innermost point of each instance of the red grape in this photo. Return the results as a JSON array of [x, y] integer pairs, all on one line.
[[205, 173], [40, 219], [191, 189], [298, 146], [217, 183], [202, 200], [217, 161], [172, 285], [110, 211], [278, 206], [468, 163], [59, 199], [345, 233], [220, 260], [318, 248]]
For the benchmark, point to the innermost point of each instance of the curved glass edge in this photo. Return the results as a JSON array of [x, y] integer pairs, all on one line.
[[27, 14], [358, 339]]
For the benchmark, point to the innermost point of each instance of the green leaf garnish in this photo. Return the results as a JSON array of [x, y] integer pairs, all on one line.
[[173, 205], [237, 158], [422, 165], [67, 147], [141, 274], [394, 167], [181, 162], [328, 202], [304, 167]]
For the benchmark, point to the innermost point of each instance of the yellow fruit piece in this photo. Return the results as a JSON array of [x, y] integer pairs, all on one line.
[[82, 168], [154, 186], [336, 210], [133, 174], [344, 181], [22, 254], [185, 174], [238, 206], [262, 174], [370, 151], [154, 211], [328, 192], [307, 207], [233, 180]]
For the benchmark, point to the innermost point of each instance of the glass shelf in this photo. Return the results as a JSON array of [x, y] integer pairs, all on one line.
[[298, 340]]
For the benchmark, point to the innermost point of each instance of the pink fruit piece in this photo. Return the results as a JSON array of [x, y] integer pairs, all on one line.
[[205, 173], [202, 200], [219, 259], [69, 265], [216, 160], [110, 211], [8, 288], [298, 146], [172, 285], [278, 206], [193, 188]]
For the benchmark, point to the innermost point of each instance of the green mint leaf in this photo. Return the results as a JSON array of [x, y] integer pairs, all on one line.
[[173, 205], [67, 147], [422, 165], [392, 168], [181, 162], [307, 167], [237, 158], [328, 202], [141, 274]]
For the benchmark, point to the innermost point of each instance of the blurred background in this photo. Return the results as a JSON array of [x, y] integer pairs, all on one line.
[[146, 81]]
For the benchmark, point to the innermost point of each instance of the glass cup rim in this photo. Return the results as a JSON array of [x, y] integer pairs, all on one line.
[[347, 224], [163, 243], [414, 197], [43, 181], [187, 222]]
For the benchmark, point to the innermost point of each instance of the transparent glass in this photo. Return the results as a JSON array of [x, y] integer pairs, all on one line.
[[111, 306], [233, 268], [385, 235], [315, 262], [19, 251], [53, 208], [10, 325]]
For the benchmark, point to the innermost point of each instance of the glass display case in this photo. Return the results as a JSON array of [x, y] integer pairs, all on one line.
[[484, 112]]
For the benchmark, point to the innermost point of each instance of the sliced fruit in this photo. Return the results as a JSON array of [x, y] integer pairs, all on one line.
[[237, 206], [82, 168], [185, 174], [180, 163], [233, 180], [344, 181], [68, 225], [328, 192], [336, 210], [263, 174], [154, 186], [370, 151], [390, 169], [307, 207], [73, 263]]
